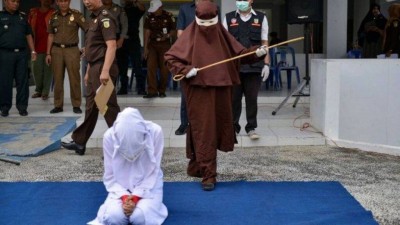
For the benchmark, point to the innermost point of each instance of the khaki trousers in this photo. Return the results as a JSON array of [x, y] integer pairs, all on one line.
[[61, 59], [42, 75], [155, 61]]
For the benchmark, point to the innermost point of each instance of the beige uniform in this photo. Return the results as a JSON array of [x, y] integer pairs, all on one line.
[[65, 54]]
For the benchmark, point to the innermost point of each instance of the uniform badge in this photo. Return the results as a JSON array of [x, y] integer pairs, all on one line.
[[104, 12], [115, 9], [71, 18], [233, 20], [95, 21], [55, 17], [165, 21], [395, 23], [255, 20], [106, 23], [83, 19], [55, 30], [6, 27]]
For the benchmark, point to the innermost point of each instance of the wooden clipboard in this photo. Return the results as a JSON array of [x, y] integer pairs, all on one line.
[[103, 94]]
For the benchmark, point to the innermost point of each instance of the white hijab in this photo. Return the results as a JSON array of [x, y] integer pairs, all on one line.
[[130, 135]]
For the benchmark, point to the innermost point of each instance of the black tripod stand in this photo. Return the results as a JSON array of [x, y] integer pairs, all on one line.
[[298, 92]]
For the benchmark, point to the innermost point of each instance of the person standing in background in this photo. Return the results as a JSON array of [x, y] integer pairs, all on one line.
[[100, 48], [185, 17], [63, 52], [159, 27], [250, 28], [392, 31], [371, 31], [122, 32], [131, 50], [15, 39], [39, 19]]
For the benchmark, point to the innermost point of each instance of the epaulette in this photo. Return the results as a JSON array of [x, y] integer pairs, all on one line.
[[115, 7], [104, 12], [75, 11]]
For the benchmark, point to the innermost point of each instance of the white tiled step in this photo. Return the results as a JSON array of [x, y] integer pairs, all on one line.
[[279, 132]]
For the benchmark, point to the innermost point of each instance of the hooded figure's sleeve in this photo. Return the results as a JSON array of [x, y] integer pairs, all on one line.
[[175, 64]]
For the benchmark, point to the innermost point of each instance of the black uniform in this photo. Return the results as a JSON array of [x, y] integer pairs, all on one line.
[[14, 29]]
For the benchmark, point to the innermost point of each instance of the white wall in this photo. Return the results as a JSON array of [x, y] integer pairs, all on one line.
[[355, 103]]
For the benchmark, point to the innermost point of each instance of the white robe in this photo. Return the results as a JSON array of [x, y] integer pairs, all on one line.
[[143, 178]]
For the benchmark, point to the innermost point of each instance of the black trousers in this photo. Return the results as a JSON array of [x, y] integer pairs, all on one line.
[[131, 52], [249, 87], [14, 66]]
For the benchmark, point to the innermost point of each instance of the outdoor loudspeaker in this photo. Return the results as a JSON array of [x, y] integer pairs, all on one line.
[[304, 11]]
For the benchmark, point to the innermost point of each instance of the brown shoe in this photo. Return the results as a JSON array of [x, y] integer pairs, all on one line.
[[36, 95], [45, 97]]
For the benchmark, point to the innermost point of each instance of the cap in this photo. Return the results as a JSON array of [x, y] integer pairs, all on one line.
[[154, 5], [206, 10]]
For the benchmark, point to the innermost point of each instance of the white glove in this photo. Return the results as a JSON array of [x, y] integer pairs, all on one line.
[[265, 73], [262, 50], [192, 73]]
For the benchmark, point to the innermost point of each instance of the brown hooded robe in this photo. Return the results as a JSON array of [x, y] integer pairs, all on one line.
[[209, 93]]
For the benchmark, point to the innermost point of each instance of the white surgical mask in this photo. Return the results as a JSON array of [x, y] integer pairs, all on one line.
[[243, 5]]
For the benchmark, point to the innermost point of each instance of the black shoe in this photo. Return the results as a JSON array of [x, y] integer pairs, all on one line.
[[208, 186], [4, 113], [181, 130], [56, 110], [122, 92], [79, 149], [23, 112], [150, 96], [77, 110], [162, 95], [142, 93]]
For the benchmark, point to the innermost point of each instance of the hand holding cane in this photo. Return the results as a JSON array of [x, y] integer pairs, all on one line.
[[179, 77]]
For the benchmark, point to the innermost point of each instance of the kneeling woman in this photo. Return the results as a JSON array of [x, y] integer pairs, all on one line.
[[133, 149]]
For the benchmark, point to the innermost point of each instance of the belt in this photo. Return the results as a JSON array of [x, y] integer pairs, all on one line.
[[65, 45], [13, 49], [159, 40], [96, 62]]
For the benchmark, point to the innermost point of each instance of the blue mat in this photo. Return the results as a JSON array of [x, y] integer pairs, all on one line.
[[23, 137], [283, 203]]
